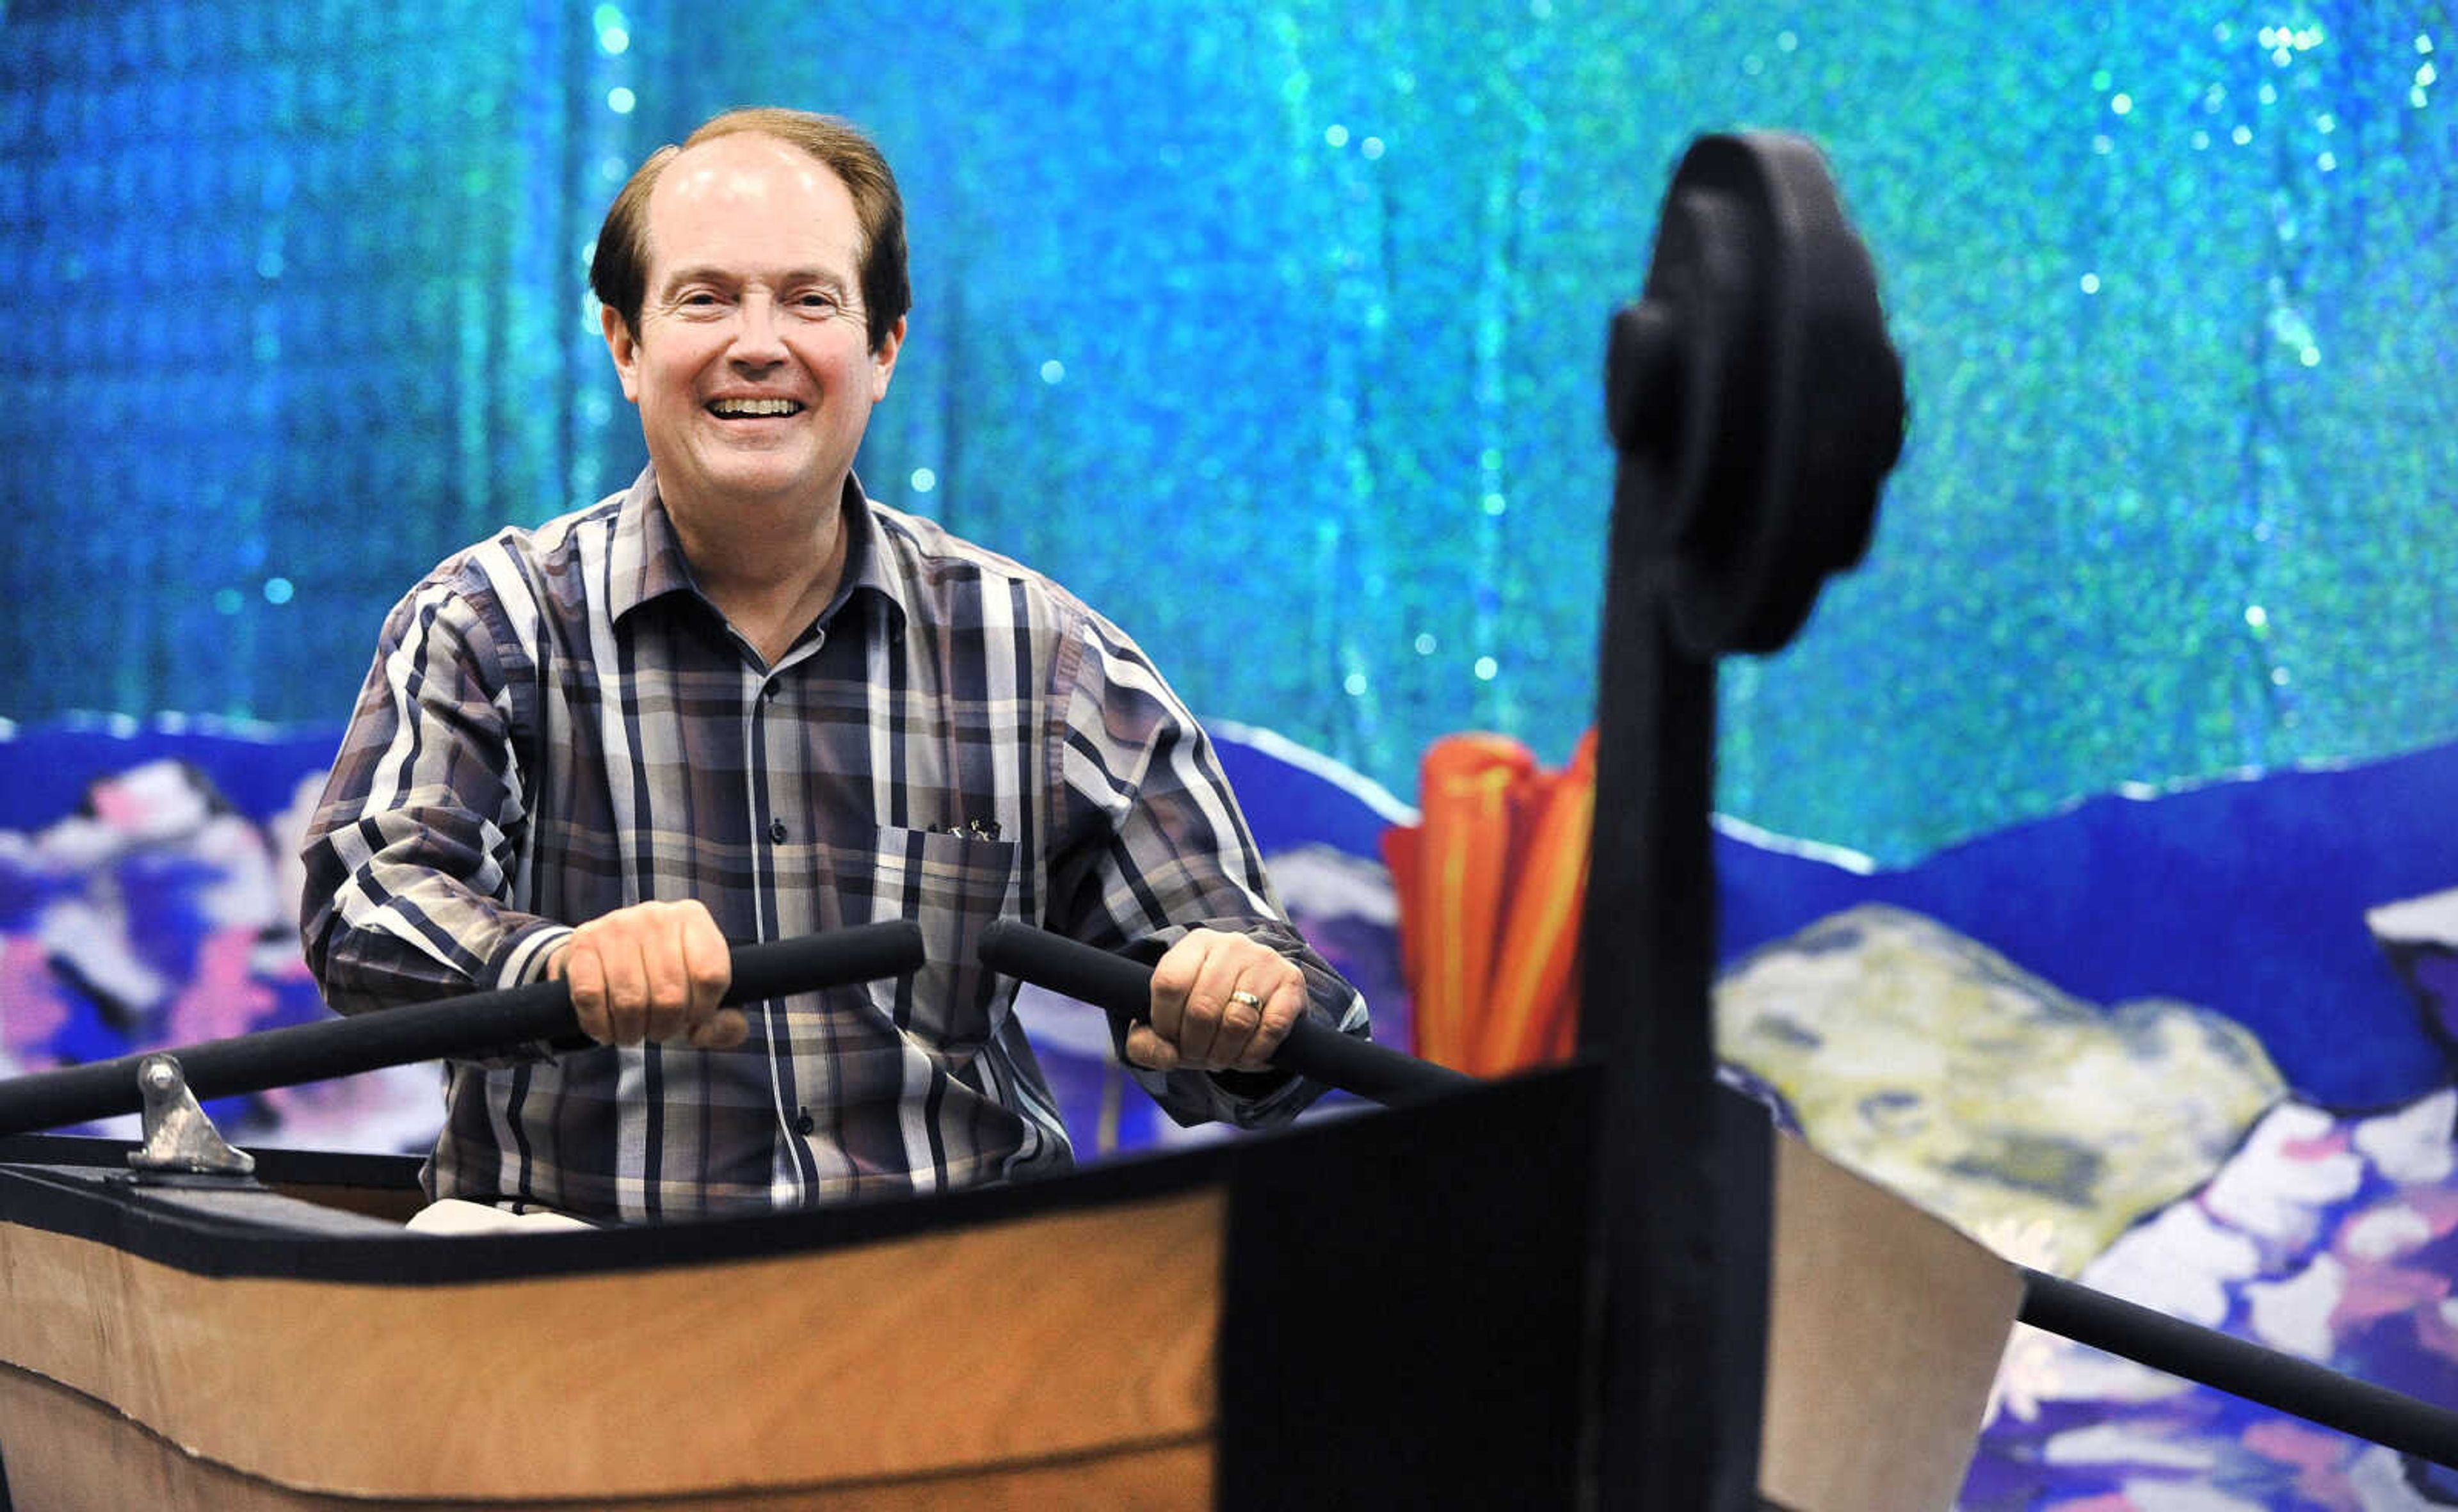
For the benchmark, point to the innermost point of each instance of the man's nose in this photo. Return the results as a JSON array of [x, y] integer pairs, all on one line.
[[759, 332]]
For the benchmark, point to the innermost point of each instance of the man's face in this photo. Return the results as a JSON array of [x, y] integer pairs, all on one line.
[[751, 366]]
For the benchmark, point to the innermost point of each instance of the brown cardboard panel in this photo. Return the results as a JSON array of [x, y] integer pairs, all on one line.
[[68, 1451], [518, 1390], [1883, 1334]]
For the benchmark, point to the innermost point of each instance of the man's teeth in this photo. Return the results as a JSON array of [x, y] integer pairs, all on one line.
[[744, 408]]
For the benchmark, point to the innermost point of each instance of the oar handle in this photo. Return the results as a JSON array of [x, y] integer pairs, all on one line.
[[1122, 988], [476, 1023]]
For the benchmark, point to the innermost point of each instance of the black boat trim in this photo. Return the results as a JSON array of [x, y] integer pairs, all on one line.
[[56, 1184]]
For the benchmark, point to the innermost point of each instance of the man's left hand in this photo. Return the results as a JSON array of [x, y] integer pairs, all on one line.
[[1220, 1003]]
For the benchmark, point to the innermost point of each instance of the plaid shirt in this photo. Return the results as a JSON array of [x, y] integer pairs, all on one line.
[[557, 724]]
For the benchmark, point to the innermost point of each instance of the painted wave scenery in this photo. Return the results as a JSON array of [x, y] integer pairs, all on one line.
[[2192, 1047]]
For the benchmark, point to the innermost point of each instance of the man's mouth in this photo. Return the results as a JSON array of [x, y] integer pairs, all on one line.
[[752, 408]]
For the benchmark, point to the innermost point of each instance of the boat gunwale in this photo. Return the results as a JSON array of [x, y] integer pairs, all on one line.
[[112, 1209], [43, 1193]]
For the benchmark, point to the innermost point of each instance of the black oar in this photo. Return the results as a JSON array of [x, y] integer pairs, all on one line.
[[2240, 1367], [1122, 988], [475, 1025]]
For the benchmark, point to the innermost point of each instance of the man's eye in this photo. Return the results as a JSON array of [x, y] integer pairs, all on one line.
[[819, 304]]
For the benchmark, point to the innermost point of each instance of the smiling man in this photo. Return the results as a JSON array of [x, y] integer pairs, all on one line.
[[740, 700]]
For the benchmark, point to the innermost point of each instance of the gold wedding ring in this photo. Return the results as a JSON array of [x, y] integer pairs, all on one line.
[[1241, 995]]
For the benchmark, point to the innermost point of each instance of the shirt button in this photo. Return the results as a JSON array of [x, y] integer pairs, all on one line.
[[804, 1123], [777, 830]]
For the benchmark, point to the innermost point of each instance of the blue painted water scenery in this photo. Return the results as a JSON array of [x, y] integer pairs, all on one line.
[[2087, 861]]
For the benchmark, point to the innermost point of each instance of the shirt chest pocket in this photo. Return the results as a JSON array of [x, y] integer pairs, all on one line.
[[951, 886]]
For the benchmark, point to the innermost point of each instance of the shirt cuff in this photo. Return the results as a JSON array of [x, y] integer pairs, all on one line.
[[527, 953]]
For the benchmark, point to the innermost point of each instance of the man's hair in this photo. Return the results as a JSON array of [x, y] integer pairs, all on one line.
[[619, 272]]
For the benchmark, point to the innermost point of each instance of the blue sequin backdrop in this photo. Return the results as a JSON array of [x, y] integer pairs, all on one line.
[[1276, 331]]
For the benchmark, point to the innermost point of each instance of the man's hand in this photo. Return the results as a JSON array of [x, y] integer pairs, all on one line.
[[1220, 1003], [652, 971]]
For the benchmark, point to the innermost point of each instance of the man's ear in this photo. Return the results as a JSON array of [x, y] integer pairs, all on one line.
[[883, 361], [624, 348]]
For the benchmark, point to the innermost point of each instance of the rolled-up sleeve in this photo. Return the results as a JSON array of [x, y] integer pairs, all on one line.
[[1152, 846]]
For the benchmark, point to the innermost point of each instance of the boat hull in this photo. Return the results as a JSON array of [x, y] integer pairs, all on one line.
[[1393, 1308], [73, 1452], [1153, 1333]]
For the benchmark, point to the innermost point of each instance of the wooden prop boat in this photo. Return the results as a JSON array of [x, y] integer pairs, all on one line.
[[1385, 1309], [1388, 1309]]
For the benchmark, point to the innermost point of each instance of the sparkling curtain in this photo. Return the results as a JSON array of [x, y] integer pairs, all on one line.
[[1276, 331]]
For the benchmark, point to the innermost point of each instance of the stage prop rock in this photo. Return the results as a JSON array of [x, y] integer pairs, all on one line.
[[1933, 1065]]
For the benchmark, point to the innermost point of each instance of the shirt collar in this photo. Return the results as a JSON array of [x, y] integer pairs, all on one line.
[[648, 561]]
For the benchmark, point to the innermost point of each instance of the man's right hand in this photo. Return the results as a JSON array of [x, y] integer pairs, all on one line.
[[652, 972]]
